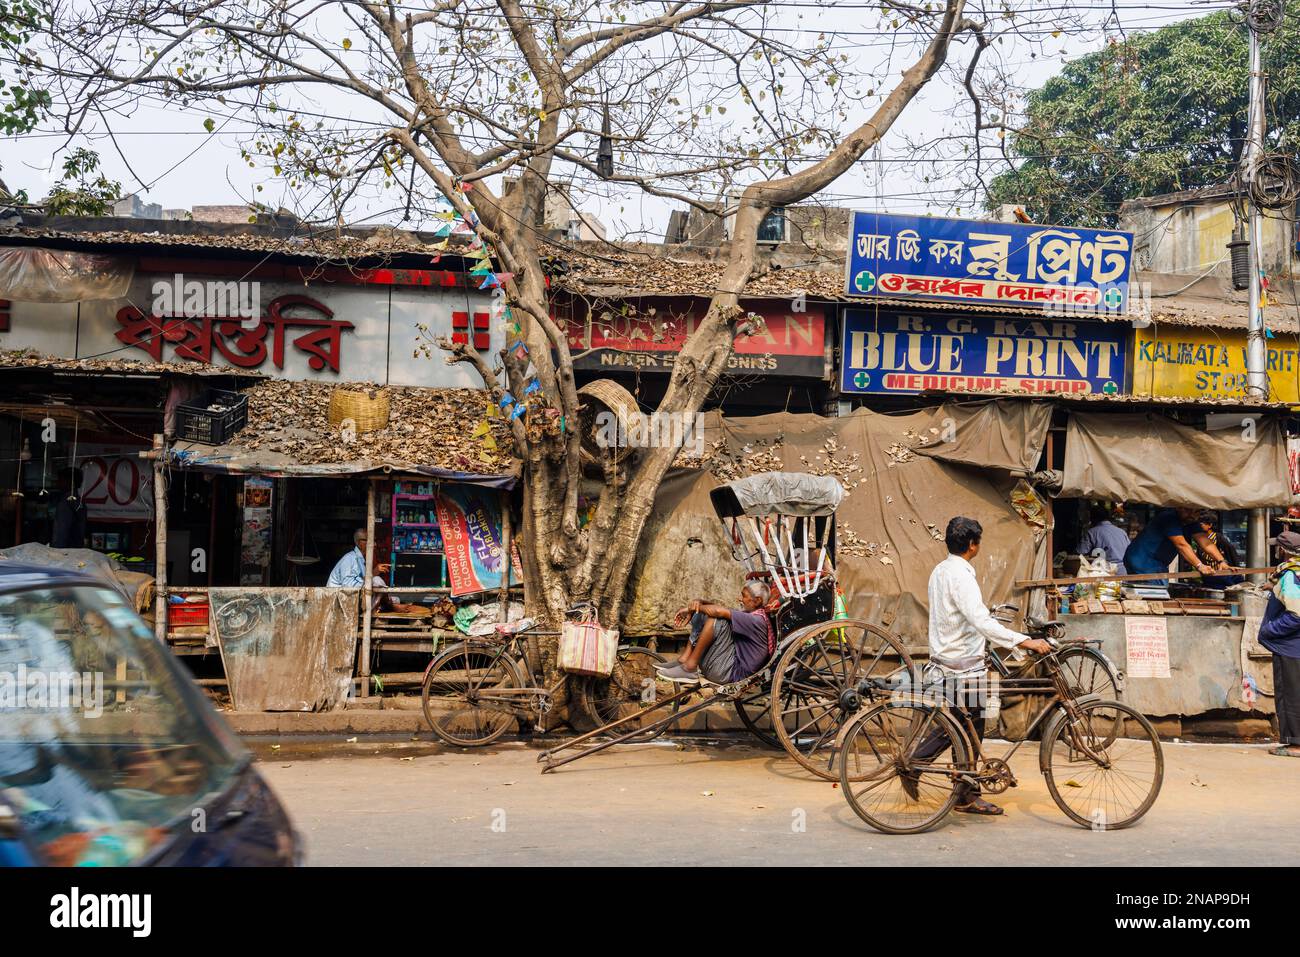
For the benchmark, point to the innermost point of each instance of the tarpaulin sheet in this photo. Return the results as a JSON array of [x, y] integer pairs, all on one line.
[[1149, 458], [1004, 434], [33, 274], [136, 587], [896, 504], [286, 649]]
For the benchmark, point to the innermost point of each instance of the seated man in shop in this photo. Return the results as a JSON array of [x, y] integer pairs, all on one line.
[[349, 572], [726, 644], [1165, 538], [1105, 536]]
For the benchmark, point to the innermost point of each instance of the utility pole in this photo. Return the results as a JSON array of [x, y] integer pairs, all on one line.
[[1261, 16]]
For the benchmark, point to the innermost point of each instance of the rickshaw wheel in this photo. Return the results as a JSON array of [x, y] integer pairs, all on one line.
[[630, 688], [755, 711], [827, 673]]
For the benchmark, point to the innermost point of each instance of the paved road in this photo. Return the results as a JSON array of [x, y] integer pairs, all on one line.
[[415, 803]]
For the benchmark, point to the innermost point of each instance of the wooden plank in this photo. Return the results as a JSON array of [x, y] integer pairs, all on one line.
[[1153, 576]]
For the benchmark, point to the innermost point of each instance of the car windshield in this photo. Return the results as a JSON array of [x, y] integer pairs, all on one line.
[[104, 747]]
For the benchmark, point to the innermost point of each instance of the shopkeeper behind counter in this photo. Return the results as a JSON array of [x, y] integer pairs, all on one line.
[[1165, 538]]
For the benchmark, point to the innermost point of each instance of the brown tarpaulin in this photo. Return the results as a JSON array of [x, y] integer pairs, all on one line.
[[1142, 457], [897, 503], [1004, 434], [33, 274]]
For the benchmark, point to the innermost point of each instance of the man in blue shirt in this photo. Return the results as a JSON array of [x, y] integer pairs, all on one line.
[[1279, 632], [1163, 540], [1106, 536], [350, 571]]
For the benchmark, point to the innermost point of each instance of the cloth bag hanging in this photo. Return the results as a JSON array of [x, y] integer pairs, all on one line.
[[588, 649]]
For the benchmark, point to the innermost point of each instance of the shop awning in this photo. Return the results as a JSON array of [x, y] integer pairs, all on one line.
[[1004, 434], [235, 459], [1153, 459]]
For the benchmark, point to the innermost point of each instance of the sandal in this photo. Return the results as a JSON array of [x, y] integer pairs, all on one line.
[[980, 806], [1286, 750]]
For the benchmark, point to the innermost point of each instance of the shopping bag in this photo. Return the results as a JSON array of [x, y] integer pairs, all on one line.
[[588, 649]]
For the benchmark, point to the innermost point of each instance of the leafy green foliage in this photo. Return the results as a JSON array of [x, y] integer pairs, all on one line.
[[82, 191], [22, 105], [1164, 111]]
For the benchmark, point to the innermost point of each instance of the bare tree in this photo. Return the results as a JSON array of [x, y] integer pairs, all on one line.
[[441, 102]]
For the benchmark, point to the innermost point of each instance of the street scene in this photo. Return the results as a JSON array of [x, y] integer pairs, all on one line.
[[485, 433]]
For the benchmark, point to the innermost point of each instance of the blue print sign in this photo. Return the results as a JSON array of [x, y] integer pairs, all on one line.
[[890, 352], [964, 260]]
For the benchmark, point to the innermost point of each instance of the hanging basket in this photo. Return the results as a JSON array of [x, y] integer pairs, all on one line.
[[601, 399], [367, 410]]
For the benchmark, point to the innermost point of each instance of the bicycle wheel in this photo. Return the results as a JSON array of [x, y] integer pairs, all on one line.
[[458, 695], [630, 688], [881, 779], [1088, 671], [754, 708], [828, 672], [1103, 768]]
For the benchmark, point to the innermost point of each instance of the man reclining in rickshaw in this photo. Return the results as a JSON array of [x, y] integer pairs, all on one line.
[[726, 644]]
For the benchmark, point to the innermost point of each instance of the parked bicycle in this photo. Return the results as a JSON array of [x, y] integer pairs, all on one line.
[[1101, 759], [475, 690]]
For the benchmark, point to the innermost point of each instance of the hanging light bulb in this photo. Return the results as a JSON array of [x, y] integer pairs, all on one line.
[[26, 454], [605, 153]]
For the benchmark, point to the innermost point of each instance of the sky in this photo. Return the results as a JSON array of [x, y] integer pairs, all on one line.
[[166, 156]]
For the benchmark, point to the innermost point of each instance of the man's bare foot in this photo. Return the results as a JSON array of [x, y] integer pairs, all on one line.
[[979, 806]]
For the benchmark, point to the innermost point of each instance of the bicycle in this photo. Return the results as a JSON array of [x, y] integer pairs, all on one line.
[[1101, 759], [474, 690]]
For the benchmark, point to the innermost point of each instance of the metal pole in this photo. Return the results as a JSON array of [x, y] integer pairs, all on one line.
[[367, 590], [506, 544], [1257, 384], [160, 542]]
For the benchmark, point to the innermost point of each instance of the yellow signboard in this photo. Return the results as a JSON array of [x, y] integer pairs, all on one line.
[[1210, 363]]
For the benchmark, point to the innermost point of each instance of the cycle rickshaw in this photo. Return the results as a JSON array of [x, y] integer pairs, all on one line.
[[780, 526]]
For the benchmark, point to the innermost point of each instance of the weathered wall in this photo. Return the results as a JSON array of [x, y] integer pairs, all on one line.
[[1205, 665]]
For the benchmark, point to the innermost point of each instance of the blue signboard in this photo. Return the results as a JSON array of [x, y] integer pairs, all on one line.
[[963, 260], [892, 352]]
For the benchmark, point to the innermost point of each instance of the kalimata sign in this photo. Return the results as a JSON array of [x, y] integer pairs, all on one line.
[[886, 351], [1065, 270]]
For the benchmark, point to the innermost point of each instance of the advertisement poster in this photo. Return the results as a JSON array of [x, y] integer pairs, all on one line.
[[116, 482], [966, 260], [470, 519], [1148, 647], [892, 352], [255, 547]]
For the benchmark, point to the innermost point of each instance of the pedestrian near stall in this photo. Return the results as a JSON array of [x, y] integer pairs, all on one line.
[[1279, 632]]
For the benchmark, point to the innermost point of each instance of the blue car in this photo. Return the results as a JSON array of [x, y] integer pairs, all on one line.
[[110, 755]]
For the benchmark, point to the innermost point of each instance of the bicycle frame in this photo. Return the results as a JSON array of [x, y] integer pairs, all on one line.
[[513, 700]]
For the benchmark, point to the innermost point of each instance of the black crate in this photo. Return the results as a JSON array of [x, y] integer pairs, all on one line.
[[194, 423]]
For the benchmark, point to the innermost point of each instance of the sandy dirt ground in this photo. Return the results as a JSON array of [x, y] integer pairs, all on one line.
[[411, 803]]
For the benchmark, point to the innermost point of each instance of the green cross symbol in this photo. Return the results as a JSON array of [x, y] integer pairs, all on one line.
[[1112, 297], [1110, 388], [864, 281], [862, 380]]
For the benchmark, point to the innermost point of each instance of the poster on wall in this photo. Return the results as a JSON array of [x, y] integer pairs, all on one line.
[[116, 483], [1147, 639], [255, 545], [470, 519]]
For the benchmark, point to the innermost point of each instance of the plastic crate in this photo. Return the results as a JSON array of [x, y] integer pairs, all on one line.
[[194, 423], [187, 613]]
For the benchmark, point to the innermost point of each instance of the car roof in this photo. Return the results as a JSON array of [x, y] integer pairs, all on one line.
[[22, 575]]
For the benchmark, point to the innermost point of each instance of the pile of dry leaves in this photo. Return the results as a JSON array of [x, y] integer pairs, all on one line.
[[432, 427]]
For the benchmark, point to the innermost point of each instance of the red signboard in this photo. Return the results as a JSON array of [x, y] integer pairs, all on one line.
[[789, 342], [318, 334]]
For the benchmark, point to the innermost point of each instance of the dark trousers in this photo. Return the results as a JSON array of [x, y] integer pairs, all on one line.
[[965, 699], [1286, 697]]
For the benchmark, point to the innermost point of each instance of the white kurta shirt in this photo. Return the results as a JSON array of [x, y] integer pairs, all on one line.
[[960, 622]]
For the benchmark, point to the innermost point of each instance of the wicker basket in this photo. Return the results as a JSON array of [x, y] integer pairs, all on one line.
[[605, 395], [369, 413]]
